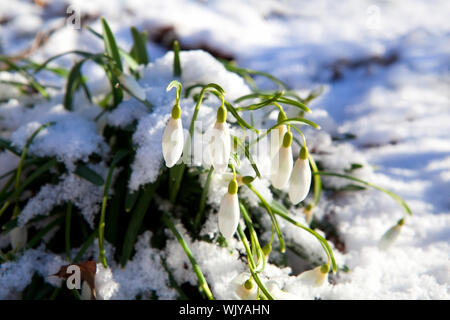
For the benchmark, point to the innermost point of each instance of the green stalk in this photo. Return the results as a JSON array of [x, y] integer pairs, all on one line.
[[22, 159], [272, 216], [46, 166], [201, 208], [252, 265], [254, 236], [35, 240], [203, 285], [389, 193], [317, 180], [101, 229], [322, 240]]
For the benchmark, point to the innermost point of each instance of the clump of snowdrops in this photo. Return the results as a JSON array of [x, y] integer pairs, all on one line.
[[124, 214]]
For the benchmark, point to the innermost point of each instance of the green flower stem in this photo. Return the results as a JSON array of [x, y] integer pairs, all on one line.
[[270, 100], [35, 240], [287, 121], [46, 166], [256, 247], [317, 180], [101, 229], [272, 216], [203, 285], [390, 193], [252, 265], [247, 154], [67, 229], [201, 209], [247, 72], [21, 162], [322, 240]]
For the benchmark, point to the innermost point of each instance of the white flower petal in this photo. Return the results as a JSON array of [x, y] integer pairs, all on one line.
[[277, 293], [229, 215], [314, 277], [276, 140], [300, 181], [237, 285], [173, 141], [132, 85], [220, 147], [388, 239], [18, 237], [281, 168]]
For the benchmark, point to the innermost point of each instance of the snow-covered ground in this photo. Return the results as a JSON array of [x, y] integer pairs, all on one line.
[[385, 67]]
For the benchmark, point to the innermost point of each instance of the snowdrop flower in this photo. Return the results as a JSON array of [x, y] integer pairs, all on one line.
[[244, 286], [173, 139], [388, 239], [315, 277], [219, 144], [300, 178], [277, 293], [229, 212], [18, 237], [277, 136], [132, 86], [282, 163]]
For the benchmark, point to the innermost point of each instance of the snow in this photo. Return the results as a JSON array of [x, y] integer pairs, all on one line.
[[398, 111]]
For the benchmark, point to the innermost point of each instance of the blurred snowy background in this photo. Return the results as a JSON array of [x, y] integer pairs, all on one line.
[[385, 67]]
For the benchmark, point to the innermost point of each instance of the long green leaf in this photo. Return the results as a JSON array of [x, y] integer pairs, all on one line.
[[176, 59], [101, 229], [110, 44], [136, 221], [279, 209], [139, 50], [202, 283], [389, 193], [83, 171]]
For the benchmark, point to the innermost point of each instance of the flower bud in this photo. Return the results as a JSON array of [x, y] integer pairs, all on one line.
[[300, 181], [130, 84], [229, 212], [277, 293], [220, 146], [282, 165], [18, 237], [244, 286], [388, 239], [315, 277], [173, 140], [278, 136]]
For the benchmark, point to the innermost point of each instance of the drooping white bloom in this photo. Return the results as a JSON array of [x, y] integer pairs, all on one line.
[[282, 164], [229, 212], [18, 237], [388, 239], [220, 144], [244, 287], [276, 141], [315, 277], [132, 86], [300, 181], [173, 141], [277, 293]]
